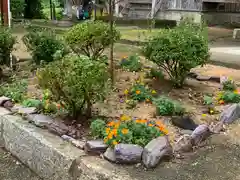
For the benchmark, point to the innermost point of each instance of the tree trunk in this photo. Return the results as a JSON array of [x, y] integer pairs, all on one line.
[[112, 68]]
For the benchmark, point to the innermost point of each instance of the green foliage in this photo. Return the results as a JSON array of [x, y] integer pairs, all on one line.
[[154, 73], [168, 107], [131, 103], [178, 50], [43, 46], [76, 82], [33, 9], [32, 103], [17, 8], [140, 92], [230, 97], [208, 100], [91, 38], [98, 128], [131, 63], [7, 41], [15, 90], [129, 131], [229, 85]]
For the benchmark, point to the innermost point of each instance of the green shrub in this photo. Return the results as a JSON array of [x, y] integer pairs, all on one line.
[[230, 97], [208, 100], [17, 8], [168, 107], [32, 103], [7, 41], [98, 128], [77, 81], [154, 73], [43, 46], [139, 92], [15, 90], [178, 50], [229, 85], [91, 38], [131, 63]]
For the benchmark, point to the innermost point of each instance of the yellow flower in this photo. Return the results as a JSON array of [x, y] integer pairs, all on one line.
[[221, 102], [236, 91], [126, 92], [117, 125], [204, 115], [150, 125], [124, 131], [211, 111], [137, 81], [165, 131], [108, 130], [147, 100], [114, 142], [127, 101], [138, 92], [154, 92], [110, 135], [125, 118]]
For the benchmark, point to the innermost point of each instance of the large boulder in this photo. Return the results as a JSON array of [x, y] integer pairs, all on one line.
[[155, 151], [230, 114], [200, 134], [128, 153], [40, 120]]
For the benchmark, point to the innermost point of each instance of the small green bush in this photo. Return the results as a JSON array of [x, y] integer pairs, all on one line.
[[131, 63], [178, 50], [91, 38], [32, 103], [230, 97], [208, 100], [43, 46], [229, 85], [77, 81], [98, 128], [139, 92], [155, 73], [7, 41], [168, 107], [15, 90]]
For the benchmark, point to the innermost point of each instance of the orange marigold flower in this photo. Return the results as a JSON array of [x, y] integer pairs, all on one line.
[[108, 130], [159, 123], [112, 123], [110, 135], [117, 124], [114, 132], [165, 131], [124, 131], [138, 92], [138, 121], [114, 142]]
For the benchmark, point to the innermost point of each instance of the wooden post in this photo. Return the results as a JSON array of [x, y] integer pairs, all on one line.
[[5, 13]]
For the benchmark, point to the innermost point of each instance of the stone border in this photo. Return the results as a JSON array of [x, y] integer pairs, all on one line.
[[49, 156]]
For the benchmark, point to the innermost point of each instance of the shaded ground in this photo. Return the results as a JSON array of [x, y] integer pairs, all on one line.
[[220, 160], [11, 169]]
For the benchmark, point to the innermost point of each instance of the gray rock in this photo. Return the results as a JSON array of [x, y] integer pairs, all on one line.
[[67, 138], [23, 110], [183, 144], [203, 78], [215, 79], [128, 153], [8, 105], [95, 147], [110, 155], [77, 143], [230, 114], [4, 111], [155, 151], [58, 128], [3, 99], [200, 134], [186, 131], [217, 128], [40, 120]]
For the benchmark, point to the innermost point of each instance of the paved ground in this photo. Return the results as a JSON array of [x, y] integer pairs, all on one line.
[[11, 169], [218, 161]]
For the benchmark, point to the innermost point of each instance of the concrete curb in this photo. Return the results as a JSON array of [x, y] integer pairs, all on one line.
[[51, 157]]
